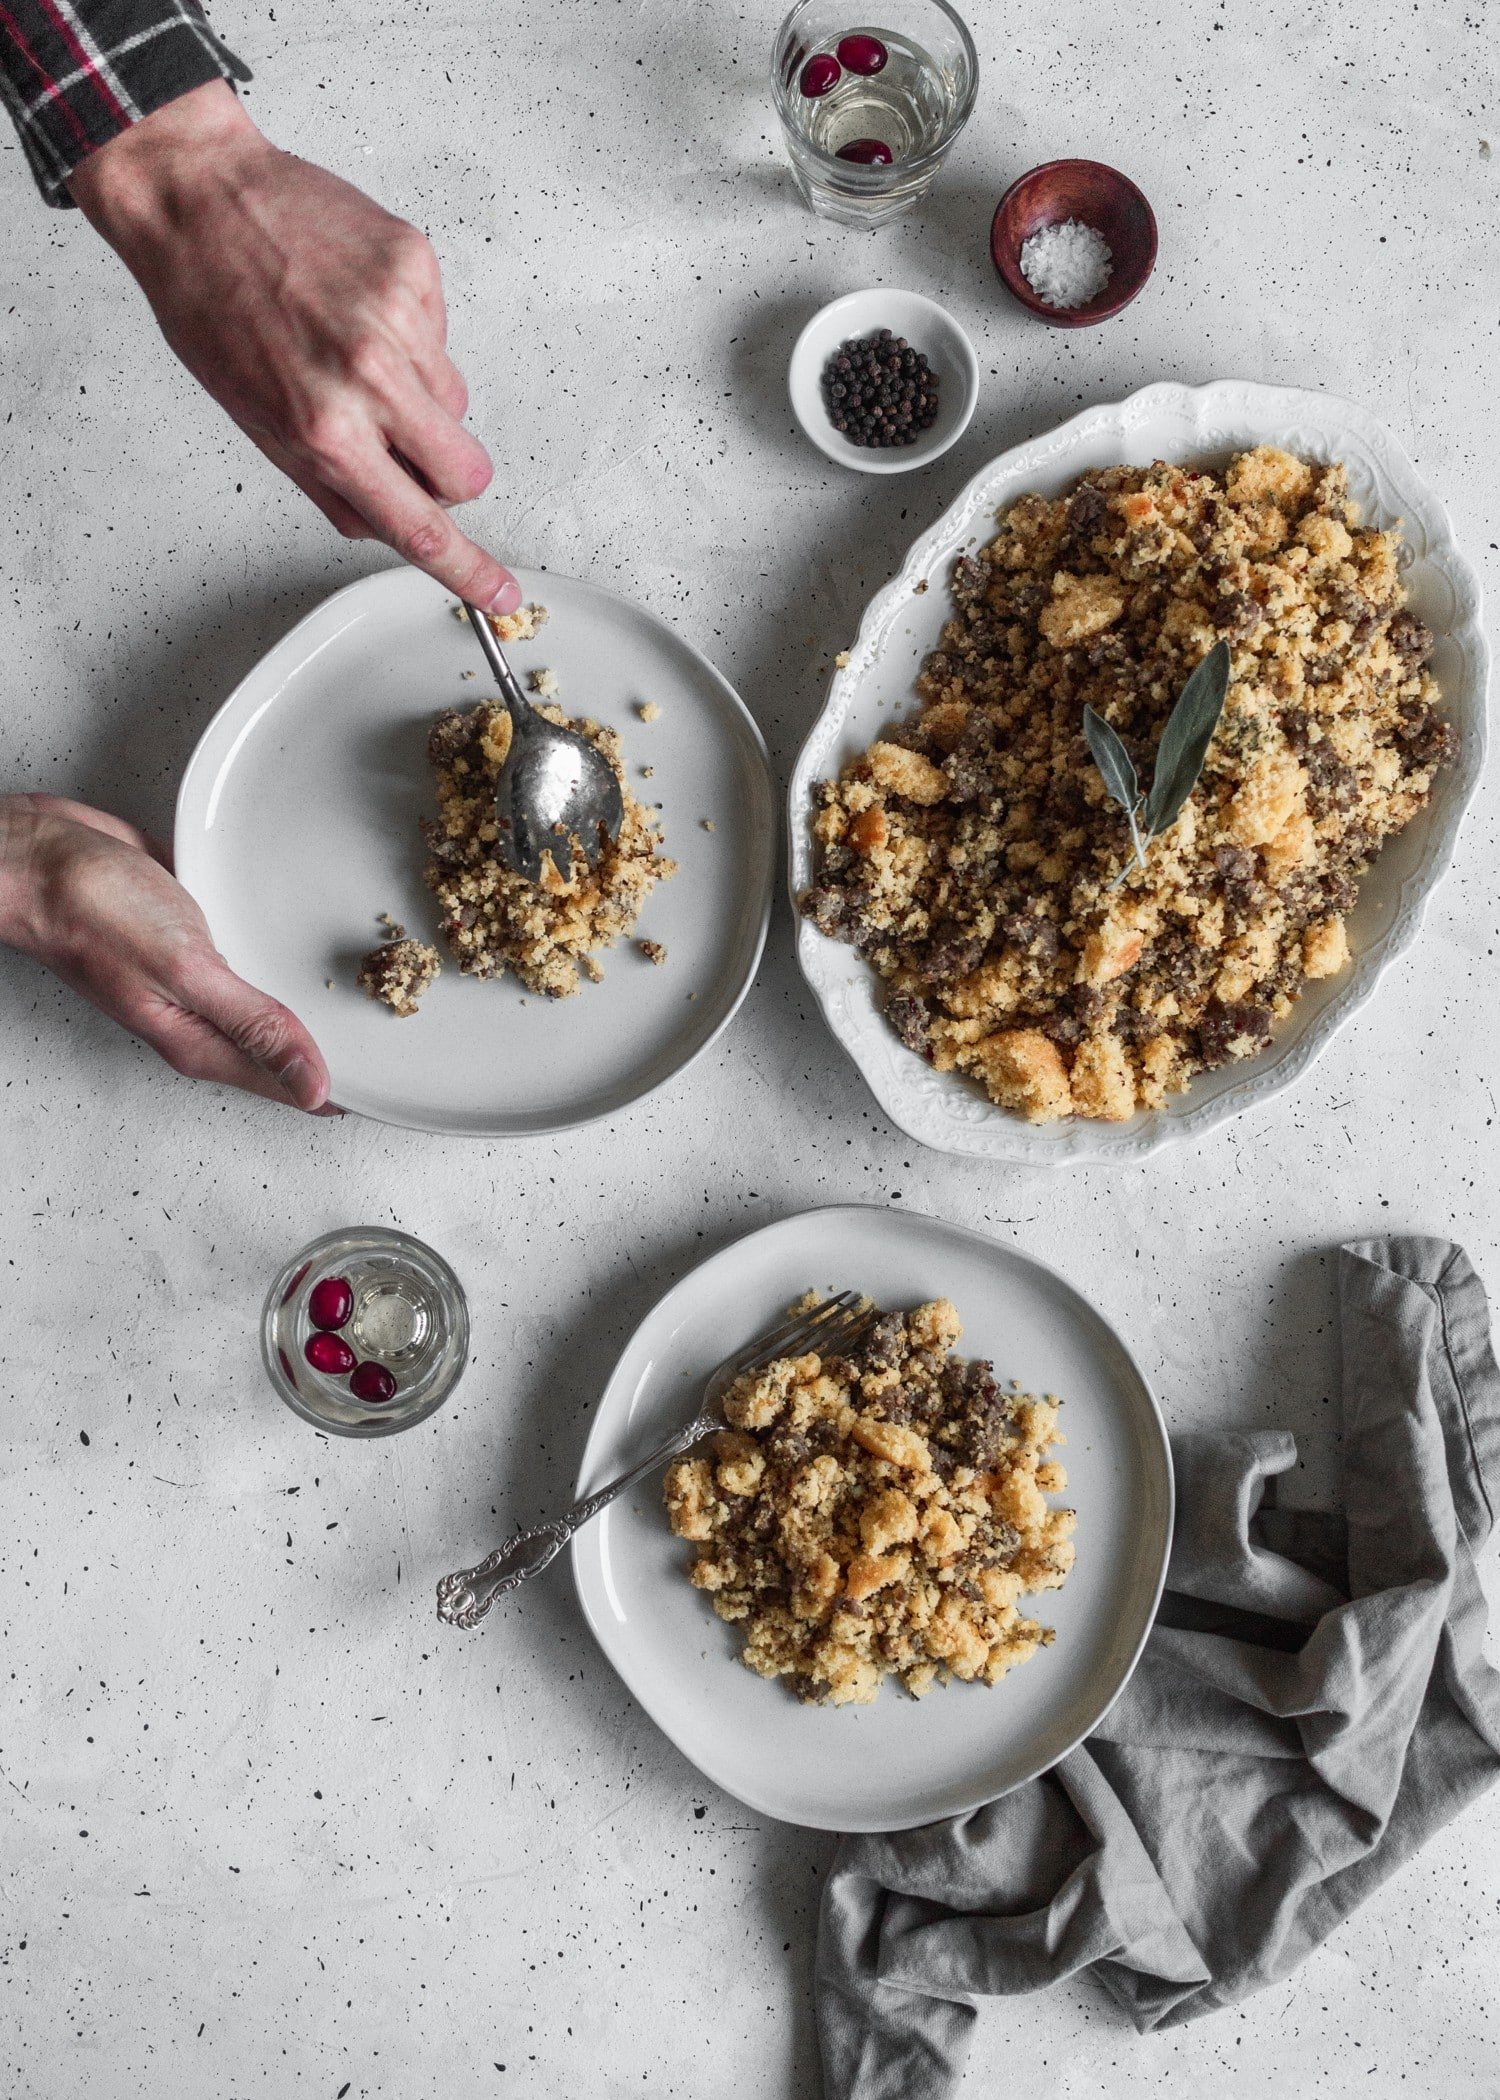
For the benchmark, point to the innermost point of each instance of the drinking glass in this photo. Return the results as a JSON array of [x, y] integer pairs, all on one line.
[[909, 110], [406, 1314]]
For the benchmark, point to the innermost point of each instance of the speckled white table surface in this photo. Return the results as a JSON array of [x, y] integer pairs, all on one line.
[[267, 1828]]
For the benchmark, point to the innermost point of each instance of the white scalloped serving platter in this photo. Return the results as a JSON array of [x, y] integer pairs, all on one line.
[[1191, 426]]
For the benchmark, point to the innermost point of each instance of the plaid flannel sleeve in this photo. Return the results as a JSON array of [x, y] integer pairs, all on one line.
[[74, 73]]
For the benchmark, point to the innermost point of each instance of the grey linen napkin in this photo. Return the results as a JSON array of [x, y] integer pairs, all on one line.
[[1311, 1705]]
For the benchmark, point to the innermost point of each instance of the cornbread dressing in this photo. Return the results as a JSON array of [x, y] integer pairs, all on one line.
[[880, 1514], [975, 858], [494, 919], [398, 972]]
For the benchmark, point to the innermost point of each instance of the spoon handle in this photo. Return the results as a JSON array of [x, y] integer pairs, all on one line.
[[510, 686], [465, 1597]]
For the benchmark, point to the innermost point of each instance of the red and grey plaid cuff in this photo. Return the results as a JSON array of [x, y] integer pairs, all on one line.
[[74, 73]]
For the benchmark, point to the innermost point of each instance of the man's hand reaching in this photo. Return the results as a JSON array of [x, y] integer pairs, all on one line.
[[92, 898], [309, 313]]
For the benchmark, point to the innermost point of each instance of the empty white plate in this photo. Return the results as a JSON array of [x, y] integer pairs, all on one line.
[[901, 1761], [298, 823]]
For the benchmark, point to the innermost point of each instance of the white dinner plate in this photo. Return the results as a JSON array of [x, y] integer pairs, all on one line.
[[900, 1761], [1191, 426], [298, 823]]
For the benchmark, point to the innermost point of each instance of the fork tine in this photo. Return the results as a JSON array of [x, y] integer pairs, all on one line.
[[795, 1334], [767, 1347], [830, 1328], [846, 1339], [833, 1328]]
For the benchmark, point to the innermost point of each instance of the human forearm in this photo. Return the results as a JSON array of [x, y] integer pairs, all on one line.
[[76, 73]]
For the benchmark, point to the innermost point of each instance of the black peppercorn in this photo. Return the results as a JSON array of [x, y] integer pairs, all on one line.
[[879, 391]]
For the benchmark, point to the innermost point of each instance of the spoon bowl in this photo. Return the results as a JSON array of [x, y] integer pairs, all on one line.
[[556, 790]]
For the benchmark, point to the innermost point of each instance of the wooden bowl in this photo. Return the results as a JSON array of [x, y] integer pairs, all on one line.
[[1100, 197]]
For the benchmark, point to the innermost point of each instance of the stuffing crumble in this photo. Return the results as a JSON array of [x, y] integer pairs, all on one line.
[[398, 972], [519, 626], [648, 710], [973, 856], [494, 919], [653, 951], [880, 1514]]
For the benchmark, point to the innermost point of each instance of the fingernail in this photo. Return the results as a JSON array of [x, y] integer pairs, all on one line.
[[296, 1075], [329, 1108], [507, 599]]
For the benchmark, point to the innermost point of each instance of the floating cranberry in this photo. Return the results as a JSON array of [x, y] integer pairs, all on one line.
[[869, 153], [863, 54], [330, 1302], [372, 1382], [819, 74], [330, 1354]]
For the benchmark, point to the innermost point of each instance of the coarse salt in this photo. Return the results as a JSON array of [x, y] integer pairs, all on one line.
[[1066, 265]]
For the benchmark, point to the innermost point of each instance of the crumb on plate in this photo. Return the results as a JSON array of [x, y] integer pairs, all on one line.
[[398, 972]]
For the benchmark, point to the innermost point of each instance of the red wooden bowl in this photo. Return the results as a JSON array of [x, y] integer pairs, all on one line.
[[1100, 197]]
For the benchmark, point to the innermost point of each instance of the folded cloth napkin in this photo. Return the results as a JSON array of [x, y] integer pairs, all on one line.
[[1310, 1706]]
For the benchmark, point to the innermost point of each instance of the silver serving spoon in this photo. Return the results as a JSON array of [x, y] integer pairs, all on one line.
[[554, 787]]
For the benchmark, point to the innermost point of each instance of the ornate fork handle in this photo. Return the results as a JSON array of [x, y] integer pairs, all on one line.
[[465, 1597]]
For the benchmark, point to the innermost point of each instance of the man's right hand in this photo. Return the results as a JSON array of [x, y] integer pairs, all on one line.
[[310, 314]]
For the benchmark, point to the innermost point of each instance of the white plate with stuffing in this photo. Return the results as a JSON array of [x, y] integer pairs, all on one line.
[[298, 824], [899, 1761], [1188, 426]]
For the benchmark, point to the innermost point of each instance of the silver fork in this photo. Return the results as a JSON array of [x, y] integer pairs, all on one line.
[[835, 1327]]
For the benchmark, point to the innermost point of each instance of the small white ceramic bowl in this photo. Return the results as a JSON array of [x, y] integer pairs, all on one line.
[[927, 328]]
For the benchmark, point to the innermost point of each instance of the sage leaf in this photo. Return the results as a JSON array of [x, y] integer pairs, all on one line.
[[1116, 766], [1185, 740], [1117, 770]]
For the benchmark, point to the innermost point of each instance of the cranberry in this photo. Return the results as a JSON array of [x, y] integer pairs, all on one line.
[[863, 54], [330, 1354], [870, 153], [819, 74], [372, 1382], [330, 1302]]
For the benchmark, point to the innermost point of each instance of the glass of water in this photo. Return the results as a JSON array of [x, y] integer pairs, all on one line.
[[364, 1331], [869, 109]]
